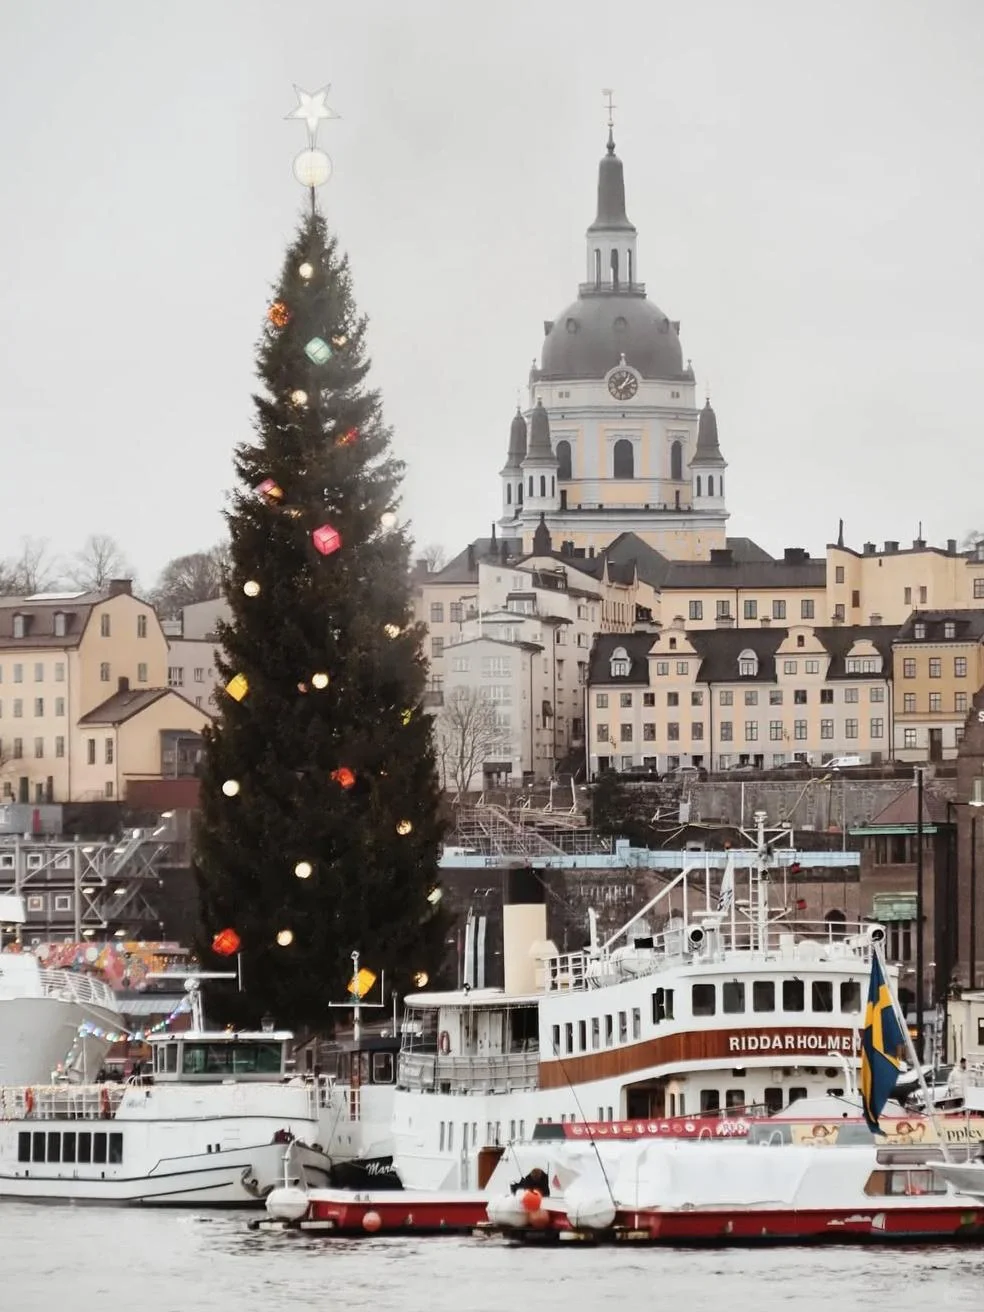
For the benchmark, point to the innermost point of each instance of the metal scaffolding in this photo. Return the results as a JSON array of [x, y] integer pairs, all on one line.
[[520, 831]]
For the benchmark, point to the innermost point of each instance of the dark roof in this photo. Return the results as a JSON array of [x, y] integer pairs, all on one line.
[[708, 451], [463, 568], [539, 445], [840, 638], [745, 550], [611, 193], [968, 626], [517, 441], [720, 648], [588, 338], [39, 613], [723, 570], [125, 705], [637, 647]]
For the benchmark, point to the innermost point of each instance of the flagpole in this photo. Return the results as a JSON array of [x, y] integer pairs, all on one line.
[[910, 1050]]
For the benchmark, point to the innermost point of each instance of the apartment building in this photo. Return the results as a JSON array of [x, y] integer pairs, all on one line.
[[84, 702], [938, 662], [508, 677], [884, 586], [743, 589], [719, 698]]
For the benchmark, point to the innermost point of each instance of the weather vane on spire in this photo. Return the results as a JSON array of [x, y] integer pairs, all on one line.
[[608, 94], [312, 167]]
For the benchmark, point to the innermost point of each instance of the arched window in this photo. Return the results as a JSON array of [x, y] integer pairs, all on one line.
[[597, 267], [628, 267], [531, 484], [748, 664], [836, 924], [519, 493], [676, 462], [698, 484], [553, 485], [509, 494], [620, 663], [614, 264], [543, 485], [721, 486], [710, 485], [564, 461], [623, 459]]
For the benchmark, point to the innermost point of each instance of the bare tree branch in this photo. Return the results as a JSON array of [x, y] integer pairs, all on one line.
[[34, 570], [99, 560], [435, 556], [187, 579], [466, 735]]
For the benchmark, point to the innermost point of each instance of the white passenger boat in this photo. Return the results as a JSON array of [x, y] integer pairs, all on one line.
[[216, 1123]]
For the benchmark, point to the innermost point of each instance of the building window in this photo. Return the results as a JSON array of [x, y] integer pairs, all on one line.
[[18, 673], [876, 694], [799, 697], [722, 610], [625, 700], [790, 667], [625, 733], [673, 731], [812, 667], [696, 731], [919, 630], [601, 733], [623, 459], [909, 667], [437, 612], [778, 610], [38, 707], [662, 667], [935, 701], [907, 596], [826, 728], [20, 627], [751, 698], [839, 612], [979, 589], [826, 696], [775, 696], [908, 738], [142, 672], [59, 746], [960, 701], [696, 610], [601, 701], [850, 728], [564, 461], [852, 695], [877, 728], [775, 731], [747, 665], [104, 626], [806, 609], [727, 697], [683, 667], [676, 462], [38, 748], [104, 667], [909, 703], [437, 647], [751, 610], [725, 730], [18, 708], [799, 730], [960, 667], [649, 699], [90, 751], [18, 749], [109, 751], [839, 574], [935, 667], [751, 731], [141, 626], [649, 732]]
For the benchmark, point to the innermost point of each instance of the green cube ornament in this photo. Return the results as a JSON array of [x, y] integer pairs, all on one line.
[[318, 351]]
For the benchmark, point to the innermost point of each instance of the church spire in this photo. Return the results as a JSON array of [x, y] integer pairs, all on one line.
[[611, 216], [611, 239]]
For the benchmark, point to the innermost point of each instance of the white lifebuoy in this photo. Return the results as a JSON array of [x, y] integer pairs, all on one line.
[[444, 1043]]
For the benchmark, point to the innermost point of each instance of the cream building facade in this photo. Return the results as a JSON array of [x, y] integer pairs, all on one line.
[[885, 586], [720, 698], [938, 661], [84, 702], [509, 676]]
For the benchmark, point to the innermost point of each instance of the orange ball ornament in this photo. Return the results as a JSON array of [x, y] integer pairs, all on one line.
[[344, 777], [278, 314]]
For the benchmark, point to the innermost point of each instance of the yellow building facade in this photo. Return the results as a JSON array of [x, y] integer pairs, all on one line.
[[938, 664]]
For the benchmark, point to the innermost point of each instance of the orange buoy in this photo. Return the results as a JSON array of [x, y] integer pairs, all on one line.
[[28, 1101], [372, 1222], [532, 1199]]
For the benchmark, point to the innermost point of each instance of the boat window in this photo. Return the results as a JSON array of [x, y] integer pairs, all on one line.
[[85, 1147], [582, 1035], [636, 1023], [37, 1154], [734, 1098], [795, 1095], [54, 1146], [623, 1027], [382, 1068], [710, 1100], [702, 1000], [440, 1146], [450, 1135], [595, 1032], [822, 995], [24, 1146], [764, 995], [792, 995], [732, 997], [68, 1146], [555, 1039], [899, 1184], [99, 1148], [232, 1058], [171, 1058], [773, 1100], [569, 1036], [668, 1003], [116, 1148], [609, 1031], [850, 993]]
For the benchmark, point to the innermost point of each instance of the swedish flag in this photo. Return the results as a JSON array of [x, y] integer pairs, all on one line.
[[881, 1043]]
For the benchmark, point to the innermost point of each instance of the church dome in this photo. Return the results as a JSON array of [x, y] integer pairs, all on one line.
[[590, 336]]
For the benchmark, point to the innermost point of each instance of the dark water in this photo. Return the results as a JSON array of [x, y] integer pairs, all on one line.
[[101, 1260]]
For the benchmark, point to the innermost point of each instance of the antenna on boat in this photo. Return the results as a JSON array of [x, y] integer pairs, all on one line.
[[359, 986], [193, 987]]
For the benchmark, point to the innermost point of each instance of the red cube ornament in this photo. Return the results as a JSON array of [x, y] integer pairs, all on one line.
[[226, 942], [326, 539], [270, 491], [344, 777]]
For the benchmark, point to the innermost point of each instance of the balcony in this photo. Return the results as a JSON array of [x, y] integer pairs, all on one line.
[[428, 1072]]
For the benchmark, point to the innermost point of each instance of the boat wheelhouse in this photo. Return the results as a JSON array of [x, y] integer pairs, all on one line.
[[726, 1007]]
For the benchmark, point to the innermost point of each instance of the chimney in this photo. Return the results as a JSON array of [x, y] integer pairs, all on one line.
[[918, 544], [891, 548], [722, 556], [870, 549], [122, 684], [524, 929], [120, 587], [795, 555], [951, 546], [471, 556]]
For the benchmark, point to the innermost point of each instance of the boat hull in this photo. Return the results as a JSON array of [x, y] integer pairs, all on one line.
[[37, 1034], [386, 1212]]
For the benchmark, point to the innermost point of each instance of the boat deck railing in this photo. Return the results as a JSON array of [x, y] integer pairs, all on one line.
[[81, 1102], [71, 986], [487, 1074]]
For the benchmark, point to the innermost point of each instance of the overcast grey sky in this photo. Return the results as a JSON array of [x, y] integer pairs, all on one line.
[[805, 178]]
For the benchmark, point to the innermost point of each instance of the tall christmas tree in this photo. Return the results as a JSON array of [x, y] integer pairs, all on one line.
[[319, 829]]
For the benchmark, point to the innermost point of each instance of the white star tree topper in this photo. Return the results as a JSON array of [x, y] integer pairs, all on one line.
[[313, 109]]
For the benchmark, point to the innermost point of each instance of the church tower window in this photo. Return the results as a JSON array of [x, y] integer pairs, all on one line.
[[623, 459], [543, 485], [614, 264], [531, 485], [519, 493], [564, 461], [597, 266], [710, 485], [628, 267], [509, 494], [698, 484], [676, 462]]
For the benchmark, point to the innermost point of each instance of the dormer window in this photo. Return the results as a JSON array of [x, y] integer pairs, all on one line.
[[949, 629], [59, 624], [620, 663], [920, 630], [20, 626], [748, 664]]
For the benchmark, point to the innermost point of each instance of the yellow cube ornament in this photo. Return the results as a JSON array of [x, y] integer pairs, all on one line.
[[237, 687]]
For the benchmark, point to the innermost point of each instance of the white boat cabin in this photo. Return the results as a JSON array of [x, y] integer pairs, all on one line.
[[220, 1057]]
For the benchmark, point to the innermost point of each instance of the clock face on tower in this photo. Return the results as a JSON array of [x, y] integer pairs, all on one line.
[[623, 384]]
